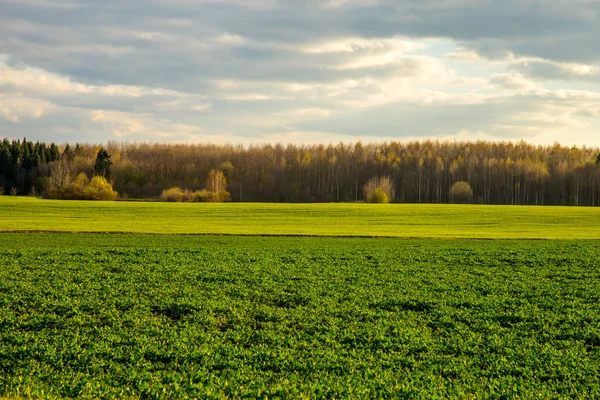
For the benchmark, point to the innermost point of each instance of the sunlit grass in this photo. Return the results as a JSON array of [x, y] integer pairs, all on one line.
[[394, 220]]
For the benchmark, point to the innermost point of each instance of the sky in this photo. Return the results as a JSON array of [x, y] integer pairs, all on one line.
[[300, 71]]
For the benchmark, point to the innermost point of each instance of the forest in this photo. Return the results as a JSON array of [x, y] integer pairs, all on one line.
[[419, 172]]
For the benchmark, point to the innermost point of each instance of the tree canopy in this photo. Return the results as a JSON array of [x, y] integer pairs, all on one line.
[[419, 172], [102, 163], [24, 165]]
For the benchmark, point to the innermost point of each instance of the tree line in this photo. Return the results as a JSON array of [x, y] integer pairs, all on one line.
[[419, 172], [23, 163]]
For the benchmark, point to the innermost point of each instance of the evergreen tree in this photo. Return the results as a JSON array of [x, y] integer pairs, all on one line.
[[53, 153], [68, 153], [41, 151], [5, 166], [103, 163]]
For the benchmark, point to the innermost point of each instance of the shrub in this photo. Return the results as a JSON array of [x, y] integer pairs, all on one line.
[[175, 194], [75, 191], [99, 189], [203, 195], [207, 196], [83, 189], [378, 196], [194, 197], [172, 195], [221, 196], [461, 192], [379, 190], [190, 196]]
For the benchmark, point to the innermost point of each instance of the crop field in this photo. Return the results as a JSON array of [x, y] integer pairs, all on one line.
[[154, 300], [365, 220], [178, 316]]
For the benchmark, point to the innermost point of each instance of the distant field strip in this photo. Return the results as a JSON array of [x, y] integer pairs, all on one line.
[[344, 220]]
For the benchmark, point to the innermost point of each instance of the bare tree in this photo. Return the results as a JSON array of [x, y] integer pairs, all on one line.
[[461, 192]]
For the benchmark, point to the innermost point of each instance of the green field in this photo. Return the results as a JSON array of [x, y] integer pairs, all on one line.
[[151, 315], [214, 317], [367, 220]]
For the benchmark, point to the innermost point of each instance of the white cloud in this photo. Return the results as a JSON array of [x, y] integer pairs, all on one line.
[[17, 108], [544, 69], [230, 40], [253, 97], [332, 4], [312, 112], [322, 70], [355, 44], [512, 82], [122, 125], [40, 81], [202, 107], [153, 36]]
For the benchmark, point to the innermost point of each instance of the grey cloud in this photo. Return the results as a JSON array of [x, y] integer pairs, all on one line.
[[80, 40], [174, 45], [556, 71], [402, 120]]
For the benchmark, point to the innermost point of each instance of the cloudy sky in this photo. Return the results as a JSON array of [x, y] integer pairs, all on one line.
[[303, 71]]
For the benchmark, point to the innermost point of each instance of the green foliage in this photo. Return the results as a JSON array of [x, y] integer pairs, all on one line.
[[130, 174], [172, 195], [598, 159], [378, 196], [78, 186], [175, 195], [503, 173], [215, 191], [379, 190], [102, 163], [391, 220], [461, 193], [23, 163], [53, 153], [100, 189], [68, 153], [150, 316], [83, 189], [213, 197]]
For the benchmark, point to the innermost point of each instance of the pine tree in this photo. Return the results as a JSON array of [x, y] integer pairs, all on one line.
[[103, 163], [54, 153]]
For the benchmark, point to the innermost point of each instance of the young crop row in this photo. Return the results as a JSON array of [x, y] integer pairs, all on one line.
[[320, 318]]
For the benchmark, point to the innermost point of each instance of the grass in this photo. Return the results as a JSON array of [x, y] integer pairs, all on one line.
[[155, 300], [365, 220], [155, 316]]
